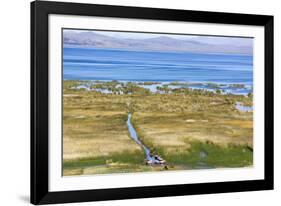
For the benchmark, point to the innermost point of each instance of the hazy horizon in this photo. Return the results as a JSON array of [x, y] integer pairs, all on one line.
[[158, 41]]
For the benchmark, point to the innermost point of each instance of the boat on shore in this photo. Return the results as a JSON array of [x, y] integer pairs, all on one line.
[[155, 160]]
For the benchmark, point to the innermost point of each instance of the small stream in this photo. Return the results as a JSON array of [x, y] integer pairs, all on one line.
[[150, 159]]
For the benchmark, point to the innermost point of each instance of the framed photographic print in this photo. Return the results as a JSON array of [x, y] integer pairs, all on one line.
[[131, 102]]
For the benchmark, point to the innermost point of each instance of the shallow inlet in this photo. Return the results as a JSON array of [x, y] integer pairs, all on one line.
[[243, 108]]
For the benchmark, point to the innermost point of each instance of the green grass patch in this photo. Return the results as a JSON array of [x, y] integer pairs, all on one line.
[[124, 157], [212, 155]]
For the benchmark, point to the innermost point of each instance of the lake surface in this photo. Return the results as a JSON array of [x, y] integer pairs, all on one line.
[[124, 65]]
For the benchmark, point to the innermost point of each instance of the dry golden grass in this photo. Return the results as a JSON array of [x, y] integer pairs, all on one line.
[[173, 130], [93, 132]]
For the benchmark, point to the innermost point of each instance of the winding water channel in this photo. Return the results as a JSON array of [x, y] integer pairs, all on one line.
[[150, 158], [134, 136]]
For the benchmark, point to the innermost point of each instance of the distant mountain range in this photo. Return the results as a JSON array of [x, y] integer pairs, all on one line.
[[161, 43]]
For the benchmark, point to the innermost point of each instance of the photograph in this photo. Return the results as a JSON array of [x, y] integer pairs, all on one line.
[[155, 102], [133, 102]]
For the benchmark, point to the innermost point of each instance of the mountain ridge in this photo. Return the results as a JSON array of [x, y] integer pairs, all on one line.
[[161, 43]]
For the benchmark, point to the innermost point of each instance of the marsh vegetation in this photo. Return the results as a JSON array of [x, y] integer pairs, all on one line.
[[190, 125]]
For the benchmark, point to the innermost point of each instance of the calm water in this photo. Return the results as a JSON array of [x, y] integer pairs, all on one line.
[[112, 64]]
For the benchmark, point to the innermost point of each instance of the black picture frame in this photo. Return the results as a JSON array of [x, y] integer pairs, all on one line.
[[40, 108]]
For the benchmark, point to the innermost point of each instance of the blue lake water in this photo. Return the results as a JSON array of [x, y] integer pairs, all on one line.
[[124, 65]]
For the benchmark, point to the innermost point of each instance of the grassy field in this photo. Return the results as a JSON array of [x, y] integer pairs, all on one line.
[[190, 129]]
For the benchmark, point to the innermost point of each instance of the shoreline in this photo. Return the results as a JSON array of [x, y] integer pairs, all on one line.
[[108, 86], [90, 47]]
